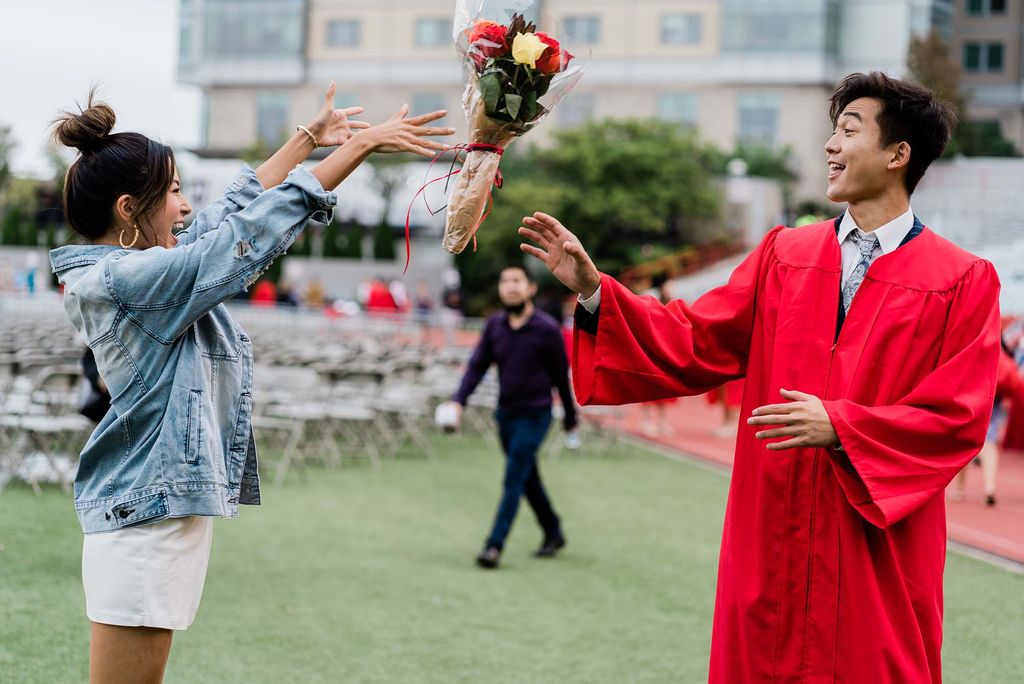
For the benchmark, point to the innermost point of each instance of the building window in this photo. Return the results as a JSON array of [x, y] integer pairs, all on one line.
[[781, 26], [433, 32], [972, 56], [682, 29], [679, 108], [982, 7], [983, 57], [577, 110], [994, 58], [582, 30], [344, 32], [187, 29], [342, 100], [271, 118], [424, 103], [759, 119], [232, 30], [204, 121]]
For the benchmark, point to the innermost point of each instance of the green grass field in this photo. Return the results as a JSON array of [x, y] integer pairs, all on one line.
[[368, 576]]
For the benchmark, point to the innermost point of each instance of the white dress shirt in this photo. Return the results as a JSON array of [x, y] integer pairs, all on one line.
[[890, 236]]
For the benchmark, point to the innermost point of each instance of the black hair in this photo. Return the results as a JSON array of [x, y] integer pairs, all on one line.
[[910, 113], [520, 267], [108, 166]]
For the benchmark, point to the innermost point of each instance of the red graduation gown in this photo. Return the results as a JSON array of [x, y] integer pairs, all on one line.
[[831, 563]]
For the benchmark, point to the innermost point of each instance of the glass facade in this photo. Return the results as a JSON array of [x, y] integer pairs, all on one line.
[[784, 26], [344, 33], [937, 15], [272, 118], [758, 119], [424, 103], [984, 7], [577, 109], [582, 30], [433, 31], [983, 57], [218, 38], [682, 29], [679, 108], [241, 28]]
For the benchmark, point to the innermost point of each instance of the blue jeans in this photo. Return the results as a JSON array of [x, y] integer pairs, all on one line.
[[521, 436]]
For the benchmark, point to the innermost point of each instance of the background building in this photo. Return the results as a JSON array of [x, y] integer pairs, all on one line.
[[987, 42], [752, 72]]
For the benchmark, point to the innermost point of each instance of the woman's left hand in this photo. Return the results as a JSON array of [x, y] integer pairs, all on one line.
[[332, 126]]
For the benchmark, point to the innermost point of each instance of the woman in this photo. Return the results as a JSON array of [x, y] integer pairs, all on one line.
[[176, 449]]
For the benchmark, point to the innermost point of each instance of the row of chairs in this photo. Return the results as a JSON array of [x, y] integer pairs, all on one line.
[[325, 390], [40, 390]]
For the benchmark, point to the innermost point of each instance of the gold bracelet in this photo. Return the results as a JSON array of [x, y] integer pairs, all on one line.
[[312, 138]]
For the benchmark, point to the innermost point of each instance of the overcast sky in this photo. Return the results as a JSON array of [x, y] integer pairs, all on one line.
[[51, 51]]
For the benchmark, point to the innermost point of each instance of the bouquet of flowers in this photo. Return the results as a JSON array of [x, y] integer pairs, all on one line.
[[515, 76]]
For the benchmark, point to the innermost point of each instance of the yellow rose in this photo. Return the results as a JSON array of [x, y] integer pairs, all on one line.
[[527, 49]]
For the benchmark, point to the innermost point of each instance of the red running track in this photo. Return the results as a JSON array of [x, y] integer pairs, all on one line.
[[692, 426]]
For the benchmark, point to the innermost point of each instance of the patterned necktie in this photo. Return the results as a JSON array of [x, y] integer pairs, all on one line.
[[866, 244]]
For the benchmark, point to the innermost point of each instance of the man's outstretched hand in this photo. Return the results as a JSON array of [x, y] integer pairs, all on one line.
[[561, 252]]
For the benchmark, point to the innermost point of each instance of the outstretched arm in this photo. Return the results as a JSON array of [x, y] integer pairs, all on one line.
[[330, 126], [400, 133], [190, 280], [638, 349]]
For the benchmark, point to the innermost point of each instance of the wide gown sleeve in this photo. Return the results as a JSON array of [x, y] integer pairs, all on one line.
[[896, 457], [644, 350]]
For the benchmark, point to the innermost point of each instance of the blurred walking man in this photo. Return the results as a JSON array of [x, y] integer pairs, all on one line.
[[527, 345]]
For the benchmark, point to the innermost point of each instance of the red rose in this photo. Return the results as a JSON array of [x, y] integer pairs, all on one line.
[[488, 38], [554, 59]]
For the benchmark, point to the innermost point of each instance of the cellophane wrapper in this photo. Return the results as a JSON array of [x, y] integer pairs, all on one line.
[[471, 191]]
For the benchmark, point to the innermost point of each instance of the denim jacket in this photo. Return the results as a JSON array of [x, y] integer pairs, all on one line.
[[178, 438]]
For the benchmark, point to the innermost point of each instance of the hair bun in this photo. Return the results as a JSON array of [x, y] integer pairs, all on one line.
[[86, 130]]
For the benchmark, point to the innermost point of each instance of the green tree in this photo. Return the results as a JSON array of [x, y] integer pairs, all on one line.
[[59, 165], [389, 173], [630, 189], [629, 182], [10, 234], [19, 207], [255, 153], [761, 161], [383, 242], [7, 146], [350, 240], [620, 185]]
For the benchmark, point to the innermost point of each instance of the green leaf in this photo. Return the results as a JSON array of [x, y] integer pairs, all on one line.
[[490, 89], [530, 106], [513, 103]]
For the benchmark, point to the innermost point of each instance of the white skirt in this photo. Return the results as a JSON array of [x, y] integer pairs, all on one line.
[[148, 575]]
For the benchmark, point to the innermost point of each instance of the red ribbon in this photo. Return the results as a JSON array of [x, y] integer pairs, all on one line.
[[459, 150]]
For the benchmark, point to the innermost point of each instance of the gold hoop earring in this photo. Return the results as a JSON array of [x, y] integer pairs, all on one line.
[[120, 238]]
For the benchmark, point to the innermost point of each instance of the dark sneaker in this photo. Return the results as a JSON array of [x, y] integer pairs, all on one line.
[[489, 557], [550, 547]]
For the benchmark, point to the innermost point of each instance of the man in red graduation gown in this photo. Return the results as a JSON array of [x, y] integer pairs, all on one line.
[[869, 345]]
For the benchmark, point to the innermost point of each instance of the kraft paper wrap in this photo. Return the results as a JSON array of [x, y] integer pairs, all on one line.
[[469, 197]]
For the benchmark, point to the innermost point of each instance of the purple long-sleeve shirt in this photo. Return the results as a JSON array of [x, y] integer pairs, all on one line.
[[531, 362]]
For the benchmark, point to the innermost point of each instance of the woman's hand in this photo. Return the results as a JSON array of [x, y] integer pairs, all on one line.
[[402, 133], [332, 126]]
